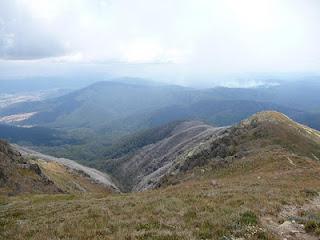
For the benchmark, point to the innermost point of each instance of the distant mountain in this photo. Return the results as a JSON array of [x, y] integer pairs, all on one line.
[[110, 104], [101, 103], [302, 95]]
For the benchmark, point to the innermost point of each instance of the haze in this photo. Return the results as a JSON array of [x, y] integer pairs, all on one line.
[[184, 42]]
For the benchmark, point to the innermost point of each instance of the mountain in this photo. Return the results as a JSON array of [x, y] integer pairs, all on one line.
[[258, 179], [89, 123], [192, 144], [99, 104], [221, 112], [303, 94], [120, 106], [147, 165]]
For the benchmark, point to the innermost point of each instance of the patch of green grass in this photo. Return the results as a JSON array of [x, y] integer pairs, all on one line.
[[148, 226], [312, 226], [248, 218]]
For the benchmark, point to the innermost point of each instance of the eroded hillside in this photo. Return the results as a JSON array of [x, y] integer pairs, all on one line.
[[144, 168]]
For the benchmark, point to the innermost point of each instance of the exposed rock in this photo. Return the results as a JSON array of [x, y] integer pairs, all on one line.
[[17, 175], [93, 174], [214, 183]]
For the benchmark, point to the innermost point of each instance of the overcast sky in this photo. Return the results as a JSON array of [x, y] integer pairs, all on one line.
[[182, 40]]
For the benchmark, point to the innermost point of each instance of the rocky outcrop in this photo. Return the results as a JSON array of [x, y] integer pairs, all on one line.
[[18, 175], [92, 174]]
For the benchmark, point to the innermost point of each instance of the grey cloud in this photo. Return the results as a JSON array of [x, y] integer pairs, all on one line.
[[22, 38], [19, 46], [185, 40]]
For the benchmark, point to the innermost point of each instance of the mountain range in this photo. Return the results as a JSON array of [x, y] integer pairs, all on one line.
[[87, 124]]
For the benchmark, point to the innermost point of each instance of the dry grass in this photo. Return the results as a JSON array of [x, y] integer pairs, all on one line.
[[194, 209], [69, 180]]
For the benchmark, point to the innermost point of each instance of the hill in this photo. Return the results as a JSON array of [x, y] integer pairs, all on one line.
[[256, 180], [193, 144]]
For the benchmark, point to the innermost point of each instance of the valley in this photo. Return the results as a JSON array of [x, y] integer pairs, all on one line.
[[103, 115]]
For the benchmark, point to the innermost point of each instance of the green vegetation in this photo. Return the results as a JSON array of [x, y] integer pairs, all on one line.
[[248, 218], [311, 221], [39, 136]]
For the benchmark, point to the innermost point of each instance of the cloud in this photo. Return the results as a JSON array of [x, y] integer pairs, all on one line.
[[190, 38], [24, 38]]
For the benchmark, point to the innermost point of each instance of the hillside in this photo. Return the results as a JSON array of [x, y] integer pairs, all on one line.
[[39, 136], [193, 144], [26, 171], [143, 168], [256, 180], [262, 134], [17, 175]]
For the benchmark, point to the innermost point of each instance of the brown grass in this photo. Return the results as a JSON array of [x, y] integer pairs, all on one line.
[[193, 209], [68, 180]]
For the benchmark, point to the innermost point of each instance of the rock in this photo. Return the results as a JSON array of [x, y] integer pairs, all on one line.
[[214, 183]]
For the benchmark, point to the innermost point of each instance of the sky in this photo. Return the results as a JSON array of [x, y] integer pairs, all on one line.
[[181, 41]]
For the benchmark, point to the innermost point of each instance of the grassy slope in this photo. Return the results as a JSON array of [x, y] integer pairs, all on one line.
[[192, 210], [210, 203], [70, 181]]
